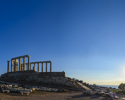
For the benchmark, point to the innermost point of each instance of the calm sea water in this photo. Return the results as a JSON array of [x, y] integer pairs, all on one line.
[[113, 86]]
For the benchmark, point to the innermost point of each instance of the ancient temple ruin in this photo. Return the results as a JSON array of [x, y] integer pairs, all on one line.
[[25, 71], [21, 67]]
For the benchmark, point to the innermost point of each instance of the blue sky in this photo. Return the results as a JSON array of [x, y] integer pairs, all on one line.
[[84, 38]]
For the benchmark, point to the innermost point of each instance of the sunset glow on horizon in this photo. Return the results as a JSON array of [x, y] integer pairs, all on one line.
[[84, 38]]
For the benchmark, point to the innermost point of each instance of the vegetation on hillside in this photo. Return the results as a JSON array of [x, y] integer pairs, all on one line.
[[122, 87]]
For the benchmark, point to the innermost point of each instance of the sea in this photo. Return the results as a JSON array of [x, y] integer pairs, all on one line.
[[113, 86]]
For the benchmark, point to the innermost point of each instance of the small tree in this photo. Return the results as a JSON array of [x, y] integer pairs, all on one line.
[[94, 84], [121, 86], [81, 81]]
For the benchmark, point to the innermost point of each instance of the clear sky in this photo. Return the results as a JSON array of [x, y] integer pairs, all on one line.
[[84, 38]]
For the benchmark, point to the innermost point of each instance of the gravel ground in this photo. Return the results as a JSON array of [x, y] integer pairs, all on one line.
[[38, 95]]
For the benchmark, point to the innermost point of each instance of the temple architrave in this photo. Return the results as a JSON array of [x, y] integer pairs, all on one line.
[[21, 67]]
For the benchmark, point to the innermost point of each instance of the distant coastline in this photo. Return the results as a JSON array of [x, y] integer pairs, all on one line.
[[113, 86]]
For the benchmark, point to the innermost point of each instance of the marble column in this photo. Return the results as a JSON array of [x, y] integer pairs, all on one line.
[[11, 65], [14, 65], [26, 66], [28, 63], [20, 69], [24, 63], [38, 67], [30, 66], [8, 66], [42, 67], [46, 67], [34, 67], [50, 66]]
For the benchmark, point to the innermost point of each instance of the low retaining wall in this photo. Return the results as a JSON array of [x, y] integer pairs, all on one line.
[[52, 74], [40, 74]]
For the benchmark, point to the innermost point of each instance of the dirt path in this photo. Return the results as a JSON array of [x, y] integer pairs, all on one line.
[[83, 86], [50, 96]]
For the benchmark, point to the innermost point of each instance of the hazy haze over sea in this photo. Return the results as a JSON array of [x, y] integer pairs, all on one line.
[[113, 86]]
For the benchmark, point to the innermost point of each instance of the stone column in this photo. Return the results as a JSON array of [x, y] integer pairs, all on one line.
[[27, 66], [11, 65], [14, 65], [28, 63], [24, 63], [30, 66], [8, 66], [42, 67], [38, 67], [46, 67], [20, 69], [50, 66], [34, 67]]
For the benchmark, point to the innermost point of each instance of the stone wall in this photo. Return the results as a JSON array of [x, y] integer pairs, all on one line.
[[41, 77], [40, 74], [52, 74]]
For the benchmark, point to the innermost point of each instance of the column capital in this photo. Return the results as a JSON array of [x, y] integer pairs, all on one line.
[[29, 57]]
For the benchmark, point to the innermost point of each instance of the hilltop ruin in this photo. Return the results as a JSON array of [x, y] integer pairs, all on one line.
[[27, 67], [26, 73]]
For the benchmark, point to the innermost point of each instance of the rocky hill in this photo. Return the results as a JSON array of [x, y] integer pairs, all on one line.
[[36, 78]]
